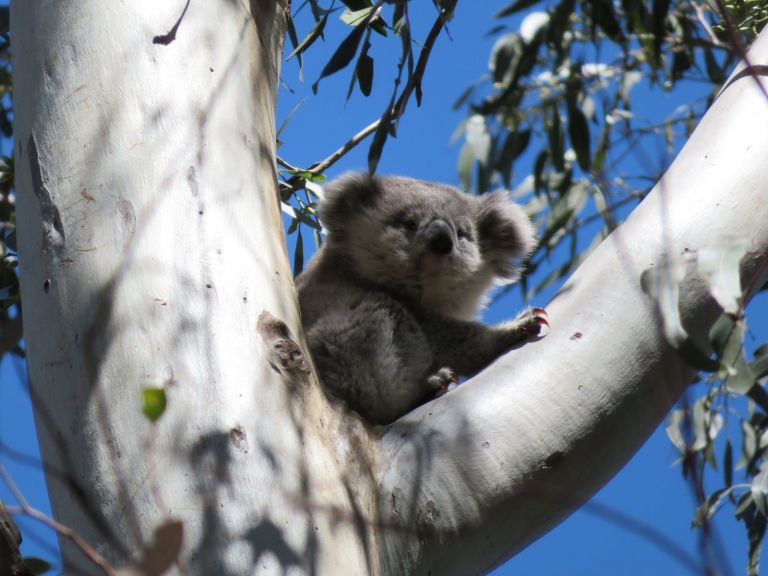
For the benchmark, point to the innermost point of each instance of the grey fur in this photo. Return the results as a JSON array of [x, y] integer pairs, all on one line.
[[390, 298]]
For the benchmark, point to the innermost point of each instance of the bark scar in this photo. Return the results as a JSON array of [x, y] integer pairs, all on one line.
[[286, 353], [53, 229]]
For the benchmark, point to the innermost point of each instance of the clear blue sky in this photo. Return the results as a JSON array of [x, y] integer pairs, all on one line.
[[649, 492]]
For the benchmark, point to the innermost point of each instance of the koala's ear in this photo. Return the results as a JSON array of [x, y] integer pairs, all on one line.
[[506, 234], [344, 197]]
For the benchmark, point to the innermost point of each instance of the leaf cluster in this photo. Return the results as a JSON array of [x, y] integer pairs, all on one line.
[[565, 94]]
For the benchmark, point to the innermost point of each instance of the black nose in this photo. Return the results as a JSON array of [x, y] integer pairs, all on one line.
[[439, 238]]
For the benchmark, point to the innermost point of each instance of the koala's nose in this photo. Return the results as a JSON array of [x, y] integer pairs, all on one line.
[[439, 237]]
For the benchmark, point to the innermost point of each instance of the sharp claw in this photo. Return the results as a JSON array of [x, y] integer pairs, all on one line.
[[542, 321]]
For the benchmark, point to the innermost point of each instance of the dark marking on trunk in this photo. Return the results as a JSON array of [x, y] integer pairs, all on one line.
[[286, 354], [239, 438], [170, 36], [194, 187], [127, 222], [53, 229]]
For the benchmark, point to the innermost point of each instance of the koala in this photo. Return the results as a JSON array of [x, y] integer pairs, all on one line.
[[389, 301]]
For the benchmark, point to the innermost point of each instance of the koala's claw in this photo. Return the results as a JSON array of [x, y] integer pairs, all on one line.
[[542, 321], [541, 318], [443, 381]]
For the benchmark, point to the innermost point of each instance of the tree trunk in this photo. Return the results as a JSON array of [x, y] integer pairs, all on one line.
[[152, 257], [151, 240]]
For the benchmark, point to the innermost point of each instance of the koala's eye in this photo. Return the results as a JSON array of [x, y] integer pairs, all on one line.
[[462, 233]]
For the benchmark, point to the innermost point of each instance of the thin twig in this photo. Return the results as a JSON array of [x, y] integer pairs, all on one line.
[[703, 21], [61, 529], [398, 108]]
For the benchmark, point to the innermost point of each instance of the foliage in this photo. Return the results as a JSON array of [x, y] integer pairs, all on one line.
[[10, 305]]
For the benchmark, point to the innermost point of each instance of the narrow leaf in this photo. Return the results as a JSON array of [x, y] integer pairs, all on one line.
[[578, 130], [298, 255], [343, 54], [516, 6], [313, 35]]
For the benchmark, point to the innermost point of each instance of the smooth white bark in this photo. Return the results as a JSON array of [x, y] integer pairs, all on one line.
[[151, 243], [491, 467]]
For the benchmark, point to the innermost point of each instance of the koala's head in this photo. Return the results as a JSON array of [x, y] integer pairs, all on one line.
[[426, 241]]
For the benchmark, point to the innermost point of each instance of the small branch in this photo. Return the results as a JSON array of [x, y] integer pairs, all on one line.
[[704, 24], [322, 166], [61, 530], [398, 108]]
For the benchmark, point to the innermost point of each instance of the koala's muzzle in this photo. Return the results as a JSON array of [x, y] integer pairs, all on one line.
[[439, 237]]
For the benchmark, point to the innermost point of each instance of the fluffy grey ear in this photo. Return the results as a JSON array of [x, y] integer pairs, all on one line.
[[344, 197], [506, 234]]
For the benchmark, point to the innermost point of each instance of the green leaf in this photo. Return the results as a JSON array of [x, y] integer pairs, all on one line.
[[515, 144], [714, 72], [357, 4], [379, 139], [298, 255], [604, 14], [153, 402], [515, 7], [463, 97], [313, 35], [727, 339], [708, 508], [759, 488], [682, 60], [505, 57], [538, 170], [365, 74], [706, 424], [294, 39], [744, 502], [466, 162], [308, 175], [659, 17], [555, 138], [674, 432], [756, 535], [748, 445], [728, 464], [343, 54], [356, 17], [758, 395], [578, 130], [36, 565], [760, 365]]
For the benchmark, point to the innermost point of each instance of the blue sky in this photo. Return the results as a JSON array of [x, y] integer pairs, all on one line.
[[648, 496]]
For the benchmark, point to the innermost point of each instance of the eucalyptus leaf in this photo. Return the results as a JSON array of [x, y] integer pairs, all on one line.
[[516, 6], [153, 403], [578, 130], [313, 35], [343, 54]]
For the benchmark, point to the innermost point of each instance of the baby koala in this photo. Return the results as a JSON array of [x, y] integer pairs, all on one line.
[[388, 303]]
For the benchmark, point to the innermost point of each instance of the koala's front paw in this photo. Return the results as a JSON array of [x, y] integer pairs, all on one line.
[[443, 381], [532, 322]]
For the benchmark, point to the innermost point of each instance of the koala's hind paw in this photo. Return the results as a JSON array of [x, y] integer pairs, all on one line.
[[443, 381]]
